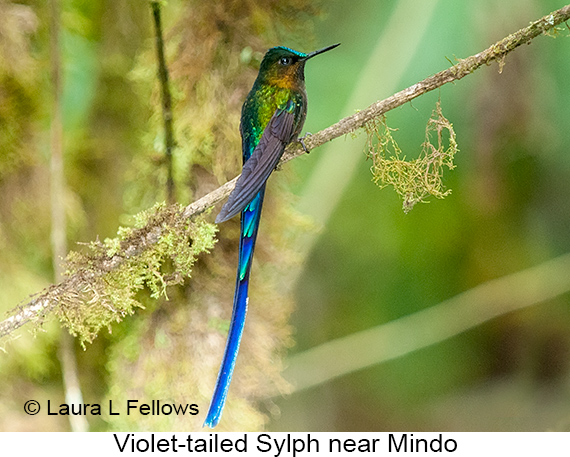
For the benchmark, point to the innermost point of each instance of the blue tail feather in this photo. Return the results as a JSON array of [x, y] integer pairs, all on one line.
[[250, 217]]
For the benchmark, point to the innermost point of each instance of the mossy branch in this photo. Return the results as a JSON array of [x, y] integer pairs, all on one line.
[[101, 284], [136, 247]]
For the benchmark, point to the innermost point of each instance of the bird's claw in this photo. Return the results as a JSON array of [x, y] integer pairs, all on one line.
[[302, 141]]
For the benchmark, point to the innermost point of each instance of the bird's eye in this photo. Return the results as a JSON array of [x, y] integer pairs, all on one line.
[[285, 61]]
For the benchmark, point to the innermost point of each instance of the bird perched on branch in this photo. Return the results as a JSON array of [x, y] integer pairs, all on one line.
[[272, 117]]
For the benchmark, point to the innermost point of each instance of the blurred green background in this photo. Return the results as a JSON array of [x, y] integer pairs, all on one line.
[[362, 262]]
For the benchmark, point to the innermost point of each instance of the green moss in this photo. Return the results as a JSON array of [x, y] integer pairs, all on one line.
[[158, 252], [414, 180]]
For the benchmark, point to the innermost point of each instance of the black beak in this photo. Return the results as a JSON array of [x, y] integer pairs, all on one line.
[[320, 51]]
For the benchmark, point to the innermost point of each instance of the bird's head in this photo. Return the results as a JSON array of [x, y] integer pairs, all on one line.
[[285, 67]]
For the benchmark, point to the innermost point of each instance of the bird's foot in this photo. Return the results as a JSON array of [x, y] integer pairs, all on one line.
[[302, 141]]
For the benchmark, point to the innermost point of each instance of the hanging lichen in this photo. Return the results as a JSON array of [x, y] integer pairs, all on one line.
[[414, 180]]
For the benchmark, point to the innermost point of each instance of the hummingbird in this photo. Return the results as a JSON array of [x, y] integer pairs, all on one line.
[[272, 116]]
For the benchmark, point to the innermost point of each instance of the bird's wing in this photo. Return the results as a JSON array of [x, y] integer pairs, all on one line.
[[263, 160]]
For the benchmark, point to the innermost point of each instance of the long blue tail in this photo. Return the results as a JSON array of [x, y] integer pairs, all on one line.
[[250, 217]]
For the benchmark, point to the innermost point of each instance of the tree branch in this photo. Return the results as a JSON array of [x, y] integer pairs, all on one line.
[[166, 98], [349, 124], [37, 308]]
